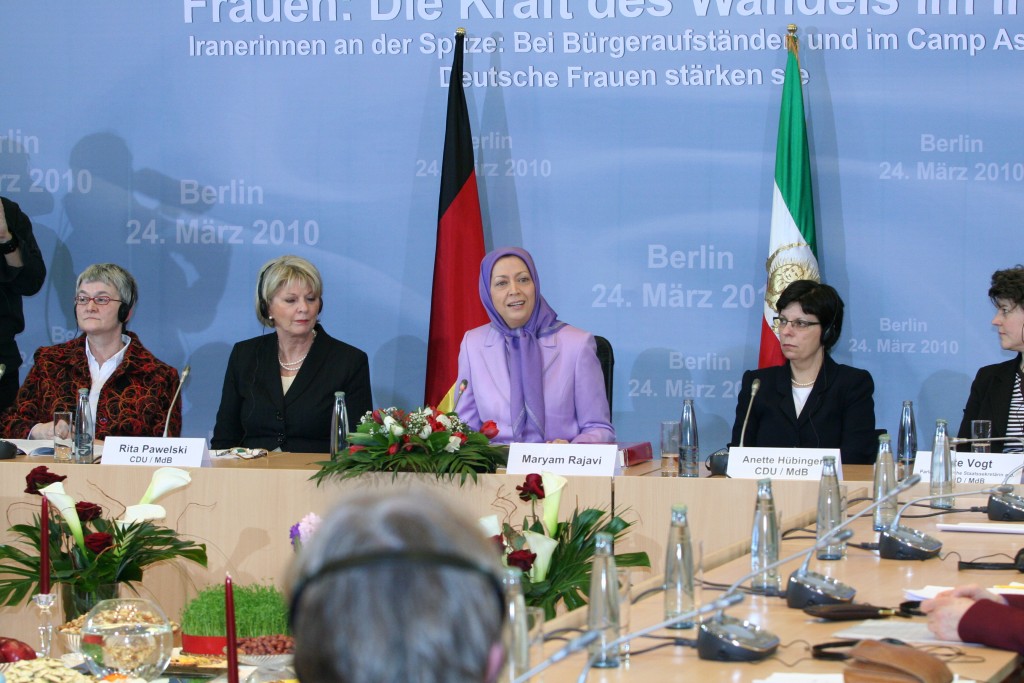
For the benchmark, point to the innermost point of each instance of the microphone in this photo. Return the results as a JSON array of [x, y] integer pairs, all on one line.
[[899, 542], [812, 588], [755, 386], [727, 639], [170, 409], [574, 645], [463, 385], [1002, 507], [3, 370]]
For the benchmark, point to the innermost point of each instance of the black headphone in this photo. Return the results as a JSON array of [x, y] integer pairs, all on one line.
[[828, 336], [421, 557], [1018, 564], [264, 306], [125, 308]]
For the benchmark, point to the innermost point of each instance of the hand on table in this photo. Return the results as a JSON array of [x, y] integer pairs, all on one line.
[[947, 608]]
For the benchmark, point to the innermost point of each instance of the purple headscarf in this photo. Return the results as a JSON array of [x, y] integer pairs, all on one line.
[[525, 363]]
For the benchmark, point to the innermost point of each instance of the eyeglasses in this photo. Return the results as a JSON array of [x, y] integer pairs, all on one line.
[[101, 300], [779, 322]]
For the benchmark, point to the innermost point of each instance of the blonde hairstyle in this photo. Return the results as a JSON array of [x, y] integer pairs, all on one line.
[[277, 273], [118, 278]]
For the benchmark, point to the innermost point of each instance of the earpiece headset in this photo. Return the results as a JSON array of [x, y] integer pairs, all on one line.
[[1018, 564], [828, 337], [420, 557], [124, 309]]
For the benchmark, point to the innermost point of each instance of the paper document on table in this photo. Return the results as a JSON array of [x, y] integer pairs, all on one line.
[[901, 629], [983, 527], [928, 592], [788, 677]]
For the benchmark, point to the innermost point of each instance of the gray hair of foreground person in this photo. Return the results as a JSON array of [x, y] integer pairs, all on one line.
[[397, 588]]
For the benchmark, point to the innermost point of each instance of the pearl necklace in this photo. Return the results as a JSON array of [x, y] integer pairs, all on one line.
[[802, 385], [295, 364]]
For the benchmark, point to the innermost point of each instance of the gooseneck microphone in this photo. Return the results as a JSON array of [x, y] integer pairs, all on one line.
[[177, 392], [574, 645], [463, 385], [811, 588], [898, 542], [3, 370], [727, 639], [1002, 507], [755, 386]]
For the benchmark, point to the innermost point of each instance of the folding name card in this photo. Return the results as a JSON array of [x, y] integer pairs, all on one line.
[[154, 451], [780, 463], [567, 459], [974, 468]]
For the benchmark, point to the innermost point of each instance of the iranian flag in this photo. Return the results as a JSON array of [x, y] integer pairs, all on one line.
[[792, 249], [455, 304]]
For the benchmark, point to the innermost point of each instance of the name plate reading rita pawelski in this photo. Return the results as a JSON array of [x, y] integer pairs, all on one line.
[[154, 451], [780, 463], [567, 459]]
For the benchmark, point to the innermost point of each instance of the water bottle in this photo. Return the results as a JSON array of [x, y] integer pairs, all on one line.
[[603, 610], [85, 431], [689, 451], [339, 425], [764, 542], [885, 481], [518, 628], [679, 568], [830, 509], [941, 477], [906, 441]]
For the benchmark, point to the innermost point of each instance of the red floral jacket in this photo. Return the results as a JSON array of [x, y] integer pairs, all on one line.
[[133, 401]]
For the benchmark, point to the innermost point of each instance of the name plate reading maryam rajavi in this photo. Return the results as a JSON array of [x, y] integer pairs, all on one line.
[[780, 463], [154, 451], [576, 459]]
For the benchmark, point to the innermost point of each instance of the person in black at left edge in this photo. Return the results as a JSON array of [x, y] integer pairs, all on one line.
[[22, 272]]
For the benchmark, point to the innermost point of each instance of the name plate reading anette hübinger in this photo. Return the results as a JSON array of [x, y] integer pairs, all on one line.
[[154, 451], [780, 463], [567, 459]]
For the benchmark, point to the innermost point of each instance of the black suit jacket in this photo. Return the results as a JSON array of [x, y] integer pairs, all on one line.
[[839, 412], [990, 400], [254, 412]]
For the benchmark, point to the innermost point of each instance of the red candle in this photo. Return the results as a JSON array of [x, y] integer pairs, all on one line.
[[229, 614], [44, 547]]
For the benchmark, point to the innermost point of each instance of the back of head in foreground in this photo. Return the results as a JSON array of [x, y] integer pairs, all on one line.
[[397, 588]]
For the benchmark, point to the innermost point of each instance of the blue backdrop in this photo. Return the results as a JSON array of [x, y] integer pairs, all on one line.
[[193, 140]]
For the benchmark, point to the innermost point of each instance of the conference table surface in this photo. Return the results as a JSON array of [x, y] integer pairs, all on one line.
[[877, 581]]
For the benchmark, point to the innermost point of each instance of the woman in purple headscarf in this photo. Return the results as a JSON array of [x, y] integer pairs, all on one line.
[[537, 378]]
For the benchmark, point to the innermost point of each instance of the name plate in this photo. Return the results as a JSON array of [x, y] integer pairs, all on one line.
[[780, 463], [154, 451], [580, 460], [974, 468]]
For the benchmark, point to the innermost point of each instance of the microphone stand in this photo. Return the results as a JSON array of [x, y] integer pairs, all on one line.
[[811, 588], [177, 392], [1002, 507], [727, 639], [899, 542]]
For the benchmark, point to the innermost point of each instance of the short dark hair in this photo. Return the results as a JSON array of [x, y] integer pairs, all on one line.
[[1007, 285], [819, 300]]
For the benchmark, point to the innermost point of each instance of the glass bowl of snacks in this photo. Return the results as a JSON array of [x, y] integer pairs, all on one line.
[[130, 638]]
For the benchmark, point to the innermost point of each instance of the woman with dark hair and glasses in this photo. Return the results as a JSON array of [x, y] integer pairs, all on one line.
[[996, 393], [130, 391], [810, 401]]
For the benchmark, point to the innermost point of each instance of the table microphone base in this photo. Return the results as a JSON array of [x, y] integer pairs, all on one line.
[[1005, 507], [727, 639], [811, 588], [904, 543]]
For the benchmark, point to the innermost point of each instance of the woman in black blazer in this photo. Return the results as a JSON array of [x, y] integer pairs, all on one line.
[[279, 388], [996, 392], [811, 401]]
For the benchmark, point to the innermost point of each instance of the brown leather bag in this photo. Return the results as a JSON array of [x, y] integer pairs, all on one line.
[[874, 662]]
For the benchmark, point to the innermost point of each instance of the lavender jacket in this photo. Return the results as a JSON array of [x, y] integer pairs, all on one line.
[[575, 404]]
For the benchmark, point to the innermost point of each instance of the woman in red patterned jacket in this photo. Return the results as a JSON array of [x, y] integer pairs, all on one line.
[[130, 390]]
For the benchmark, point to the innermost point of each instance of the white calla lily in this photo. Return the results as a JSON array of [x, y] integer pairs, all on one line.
[[490, 525], [553, 485], [134, 514], [544, 548], [65, 505], [165, 480]]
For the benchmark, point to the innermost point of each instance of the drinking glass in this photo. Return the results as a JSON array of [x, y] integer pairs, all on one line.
[[63, 422], [670, 448], [535, 633], [625, 577], [981, 429]]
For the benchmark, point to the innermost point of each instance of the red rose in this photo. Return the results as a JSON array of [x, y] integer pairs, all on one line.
[[41, 477], [462, 437], [356, 449], [98, 542], [533, 487], [523, 559], [393, 448], [88, 511], [377, 417], [489, 429]]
